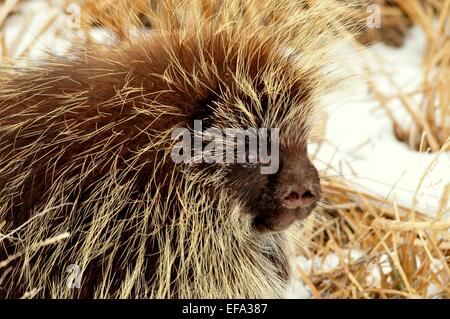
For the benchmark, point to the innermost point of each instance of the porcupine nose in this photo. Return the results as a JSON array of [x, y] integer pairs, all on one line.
[[298, 184], [299, 198]]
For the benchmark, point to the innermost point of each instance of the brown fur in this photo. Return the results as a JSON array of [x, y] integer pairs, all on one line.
[[84, 148]]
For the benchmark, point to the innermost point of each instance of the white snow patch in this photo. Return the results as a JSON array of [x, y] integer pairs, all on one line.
[[361, 144]]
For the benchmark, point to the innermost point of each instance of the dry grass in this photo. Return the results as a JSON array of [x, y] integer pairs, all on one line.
[[428, 126], [403, 253]]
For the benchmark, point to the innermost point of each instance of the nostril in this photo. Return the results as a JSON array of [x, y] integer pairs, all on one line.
[[308, 195], [293, 196], [296, 199]]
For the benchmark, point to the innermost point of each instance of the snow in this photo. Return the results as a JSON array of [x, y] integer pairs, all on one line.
[[298, 289], [33, 19], [361, 144]]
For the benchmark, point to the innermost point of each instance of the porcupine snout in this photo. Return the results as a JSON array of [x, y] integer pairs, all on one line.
[[297, 191], [299, 185]]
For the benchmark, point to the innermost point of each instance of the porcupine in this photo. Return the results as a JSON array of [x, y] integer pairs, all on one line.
[[85, 146]]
